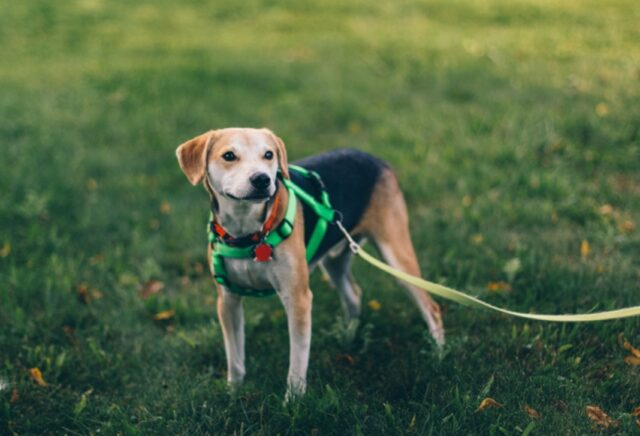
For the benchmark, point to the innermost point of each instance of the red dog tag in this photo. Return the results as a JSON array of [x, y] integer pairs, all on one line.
[[262, 252]]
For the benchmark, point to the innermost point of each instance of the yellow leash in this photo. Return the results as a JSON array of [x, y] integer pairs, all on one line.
[[467, 300]]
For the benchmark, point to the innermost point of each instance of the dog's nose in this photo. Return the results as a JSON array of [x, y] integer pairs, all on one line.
[[260, 180]]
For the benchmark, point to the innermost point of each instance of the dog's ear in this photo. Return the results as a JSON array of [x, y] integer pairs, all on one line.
[[192, 156], [281, 152]]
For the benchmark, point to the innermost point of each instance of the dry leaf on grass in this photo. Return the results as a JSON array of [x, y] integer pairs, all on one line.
[[498, 287], [82, 289], [533, 413], [374, 305], [165, 314], [628, 226], [585, 248], [488, 403], [5, 250], [632, 360], [85, 295], [346, 358], [597, 415], [36, 375], [636, 413], [606, 209], [151, 287], [165, 208], [627, 346]]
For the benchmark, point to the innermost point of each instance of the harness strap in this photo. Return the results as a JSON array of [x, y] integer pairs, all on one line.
[[325, 214]]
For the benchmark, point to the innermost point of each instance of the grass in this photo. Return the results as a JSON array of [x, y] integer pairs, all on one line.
[[510, 125]]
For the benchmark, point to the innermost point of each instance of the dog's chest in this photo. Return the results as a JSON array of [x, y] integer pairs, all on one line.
[[248, 273]]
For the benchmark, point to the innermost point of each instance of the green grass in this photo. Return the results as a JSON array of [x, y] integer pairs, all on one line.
[[510, 124]]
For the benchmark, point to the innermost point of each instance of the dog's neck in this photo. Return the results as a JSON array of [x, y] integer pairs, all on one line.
[[241, 218]]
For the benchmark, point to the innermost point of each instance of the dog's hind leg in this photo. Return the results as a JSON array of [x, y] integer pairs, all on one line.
[[338, 267], [386, 221]]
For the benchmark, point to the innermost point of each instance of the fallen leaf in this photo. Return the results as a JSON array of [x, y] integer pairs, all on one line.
[[628, 226], [498, 287], [165, 208], [533, 413], [14, 396], [198, 268], [354, 127], [627, 346], [96, 294], [606, 209], [466, 201], [631, 349], [585, 248], [150, 288], [600, 418], [98, 258], [165, 314], [36, 375], [374, 305], [477, 239], [82, 289], [632, 360], [636, 413], [488, 403], [5, 250], [602, 109], [92, 184], [347, 358]]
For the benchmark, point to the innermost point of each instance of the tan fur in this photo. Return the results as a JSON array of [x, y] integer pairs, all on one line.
[[192, 156], [386, 222]]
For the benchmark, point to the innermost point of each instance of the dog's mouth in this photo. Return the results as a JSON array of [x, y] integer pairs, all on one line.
[[254, 196]]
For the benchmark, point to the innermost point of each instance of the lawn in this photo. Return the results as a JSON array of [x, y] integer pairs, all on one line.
[[513, 126]]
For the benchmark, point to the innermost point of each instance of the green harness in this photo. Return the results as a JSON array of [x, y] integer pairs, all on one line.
[[322, 208]]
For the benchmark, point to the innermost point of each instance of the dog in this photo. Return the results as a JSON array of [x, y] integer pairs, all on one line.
[[242, 169]]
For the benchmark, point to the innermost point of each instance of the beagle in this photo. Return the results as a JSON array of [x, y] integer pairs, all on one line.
[[240, 168]]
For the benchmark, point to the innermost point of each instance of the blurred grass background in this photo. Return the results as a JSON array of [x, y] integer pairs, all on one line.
[[514, 127]]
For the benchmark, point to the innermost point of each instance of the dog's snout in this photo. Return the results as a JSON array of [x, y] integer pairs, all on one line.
[[260, 181]]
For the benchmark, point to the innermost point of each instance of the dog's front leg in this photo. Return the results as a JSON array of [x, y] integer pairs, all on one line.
[[231, 318], [297, 304]]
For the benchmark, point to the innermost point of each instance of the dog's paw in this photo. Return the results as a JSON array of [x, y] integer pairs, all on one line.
[[438, 336], [295, 391]]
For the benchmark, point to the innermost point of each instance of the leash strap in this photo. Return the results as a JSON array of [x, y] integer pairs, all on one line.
[[467, 300]]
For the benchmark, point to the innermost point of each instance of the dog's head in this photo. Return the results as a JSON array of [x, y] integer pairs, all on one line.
[[241, 164]]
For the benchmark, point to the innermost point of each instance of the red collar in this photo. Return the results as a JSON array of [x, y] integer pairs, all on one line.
[[220, 231]]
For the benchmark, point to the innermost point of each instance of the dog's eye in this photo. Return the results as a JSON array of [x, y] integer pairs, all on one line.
[[229, 156], [268, 155]]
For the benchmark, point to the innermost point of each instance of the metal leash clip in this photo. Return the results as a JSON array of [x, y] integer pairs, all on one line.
[[353, 245]]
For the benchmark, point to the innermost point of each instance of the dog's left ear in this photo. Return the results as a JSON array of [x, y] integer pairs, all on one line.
[[281, 151], [192, 156]]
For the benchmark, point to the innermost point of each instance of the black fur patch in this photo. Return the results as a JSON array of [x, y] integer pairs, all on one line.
[[349, 176]]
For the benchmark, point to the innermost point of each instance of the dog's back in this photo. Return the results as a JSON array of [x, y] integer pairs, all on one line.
[[350, 177]]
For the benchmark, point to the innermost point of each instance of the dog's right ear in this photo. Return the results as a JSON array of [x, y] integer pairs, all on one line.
[[192, 156]]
